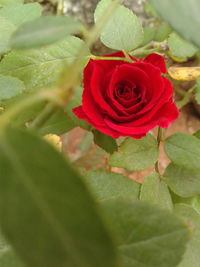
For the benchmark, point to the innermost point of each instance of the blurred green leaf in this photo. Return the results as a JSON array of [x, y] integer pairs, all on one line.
[[46, 211], [123, 30], [162, 32], [155, 191], [183, 181], [40, 68], [106, 142], [183, 16], [149, 10], [59, 123], [6, 30], [179, 47], [149, 33], [44, 31], [135, 154], [184, 150], [10, 87], [191, 257], [7, 256], [10, 2], [146, 235], [107, 185], [19, 13]]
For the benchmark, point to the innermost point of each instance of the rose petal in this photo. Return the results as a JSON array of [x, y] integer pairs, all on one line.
[[157, 61]]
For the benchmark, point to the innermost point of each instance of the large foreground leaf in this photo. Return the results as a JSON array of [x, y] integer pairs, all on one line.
[[183, 16], [46, 212], [42, 67], [146, 236], [192, 256]]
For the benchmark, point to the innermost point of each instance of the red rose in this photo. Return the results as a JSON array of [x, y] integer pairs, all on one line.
[[127, 99]]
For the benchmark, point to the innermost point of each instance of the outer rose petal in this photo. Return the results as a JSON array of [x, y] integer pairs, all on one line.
[[78, 111], [157, 61]]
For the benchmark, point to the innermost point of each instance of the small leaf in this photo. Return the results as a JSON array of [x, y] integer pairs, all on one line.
[[184, 150], [146, 235], [46, 211], [149, 33], [40, 68], [135, 155], [6, 30], [181, 48], [123, 30], [43, 31], [104, 141], [191, 257], [19, 13], [59, 123], [183, 16], [10, 87], [108, 185], [162, 32], [184, 73], [183, 181], [155, 191]]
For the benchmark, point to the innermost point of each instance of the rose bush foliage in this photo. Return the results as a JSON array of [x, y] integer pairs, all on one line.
[[122, 98]]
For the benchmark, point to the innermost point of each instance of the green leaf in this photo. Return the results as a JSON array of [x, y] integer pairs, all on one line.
[[179, 47], [7, 256], [162, 32], [44, 31], [10, 87], [197, 91], [6, 30], [146, 235], [46, 211], [136, 154], [107, 185], [104, 141], [18, 14], [155, 191], [183, 16], [123, 30], [59, 123], [40, 68], [149, 33], [191, 257], [183, 181], [183, 149], [10, 2]]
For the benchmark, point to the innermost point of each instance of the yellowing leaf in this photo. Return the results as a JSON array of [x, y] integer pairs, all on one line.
[[184, 73]]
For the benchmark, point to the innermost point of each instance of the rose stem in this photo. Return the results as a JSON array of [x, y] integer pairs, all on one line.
[[159, 138]]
